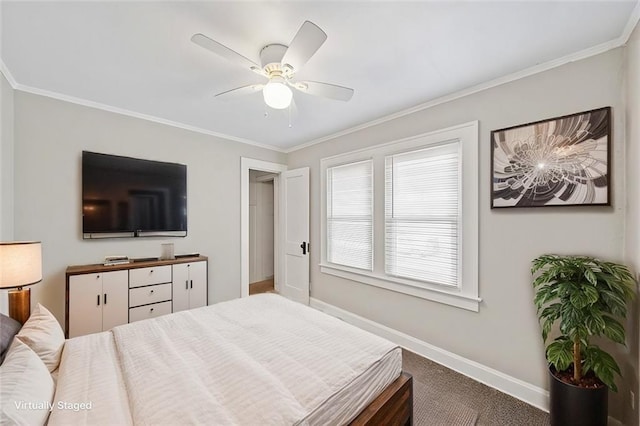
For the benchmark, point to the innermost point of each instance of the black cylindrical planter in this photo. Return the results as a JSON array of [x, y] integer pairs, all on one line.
[[572, 405]]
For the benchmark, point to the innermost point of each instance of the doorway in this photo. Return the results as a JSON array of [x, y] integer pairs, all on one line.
[[291, 228], [261, 232], [249, 165]]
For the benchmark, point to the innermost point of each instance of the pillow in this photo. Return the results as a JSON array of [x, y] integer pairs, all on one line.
[[8, 328], [43, 334], [27, 389]]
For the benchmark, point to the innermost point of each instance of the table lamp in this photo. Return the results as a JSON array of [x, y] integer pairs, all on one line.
[[20, 266]]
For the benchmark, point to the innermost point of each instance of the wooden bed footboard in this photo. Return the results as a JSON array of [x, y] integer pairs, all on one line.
[[393, 407]]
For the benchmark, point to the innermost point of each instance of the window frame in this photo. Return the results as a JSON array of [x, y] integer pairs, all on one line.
[[466, 295], [458, 217], [325, 245]]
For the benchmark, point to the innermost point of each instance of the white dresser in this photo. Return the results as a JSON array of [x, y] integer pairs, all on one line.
[[100, 297]]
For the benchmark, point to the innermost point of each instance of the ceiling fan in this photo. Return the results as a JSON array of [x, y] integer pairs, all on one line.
[[279, 63]]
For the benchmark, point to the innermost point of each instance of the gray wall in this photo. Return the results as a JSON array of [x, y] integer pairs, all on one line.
[[632, 231], [6, 170], [6, 160], [505, 334], [49, 138]]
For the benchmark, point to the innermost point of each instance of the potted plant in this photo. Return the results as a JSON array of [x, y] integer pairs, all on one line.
[[586, 297]]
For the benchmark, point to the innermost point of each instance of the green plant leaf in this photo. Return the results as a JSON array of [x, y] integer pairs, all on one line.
[[590, 276], [551, 312], [615, 302], [544, 295], [560, 354], [614, 330], [591, 293], [578, 299], [565, 289], [546, 328], [572, 321], [595, 323], [602, 364]]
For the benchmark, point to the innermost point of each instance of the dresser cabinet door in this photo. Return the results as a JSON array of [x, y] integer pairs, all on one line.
[[180, 287], [85, 304], [197, 284], [115, 299]]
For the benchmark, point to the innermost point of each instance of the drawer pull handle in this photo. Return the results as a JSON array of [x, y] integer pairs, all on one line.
[[191, 283], [151, 310], [98, 300], [105, 298], [97, 277], [151, 291], [151, 271], [187, 284]]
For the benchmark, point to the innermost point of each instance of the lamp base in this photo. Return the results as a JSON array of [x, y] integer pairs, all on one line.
[[20, 304]]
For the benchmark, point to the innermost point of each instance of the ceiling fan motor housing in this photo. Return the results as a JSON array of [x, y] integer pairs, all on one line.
[[271, 55]]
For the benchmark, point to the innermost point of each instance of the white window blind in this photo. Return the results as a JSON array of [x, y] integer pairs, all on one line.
[[422, 215], [350, 215]]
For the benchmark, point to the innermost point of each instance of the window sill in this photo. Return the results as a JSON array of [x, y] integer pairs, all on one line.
[[452, 297]]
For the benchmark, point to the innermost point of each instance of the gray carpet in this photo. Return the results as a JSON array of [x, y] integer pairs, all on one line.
[[437, 409], [443, 397]]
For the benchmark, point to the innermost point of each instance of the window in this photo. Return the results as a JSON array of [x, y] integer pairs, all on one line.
[[422, 215], [404, 216], [350, 215]]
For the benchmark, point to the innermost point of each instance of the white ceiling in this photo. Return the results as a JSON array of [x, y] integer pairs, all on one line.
[[138, 57]]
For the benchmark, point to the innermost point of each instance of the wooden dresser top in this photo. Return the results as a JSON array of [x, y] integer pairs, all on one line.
[[98, 267]]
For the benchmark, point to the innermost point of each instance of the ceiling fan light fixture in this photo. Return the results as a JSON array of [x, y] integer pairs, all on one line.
[[277, 94]]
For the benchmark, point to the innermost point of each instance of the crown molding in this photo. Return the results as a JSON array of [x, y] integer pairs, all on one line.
[[7, 74], [634, 18], [147, 117], [122, 111], [583, 54]]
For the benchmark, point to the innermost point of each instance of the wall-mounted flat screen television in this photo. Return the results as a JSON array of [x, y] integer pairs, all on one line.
[[130, 197]]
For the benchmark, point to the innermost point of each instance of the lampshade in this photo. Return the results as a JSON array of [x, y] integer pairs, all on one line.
[[277, 94], [20, 263]]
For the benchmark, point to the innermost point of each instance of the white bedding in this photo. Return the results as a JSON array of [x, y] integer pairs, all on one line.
[[257, 360], [90, 372]]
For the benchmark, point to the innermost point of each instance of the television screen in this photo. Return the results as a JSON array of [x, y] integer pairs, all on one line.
[[124, 196]]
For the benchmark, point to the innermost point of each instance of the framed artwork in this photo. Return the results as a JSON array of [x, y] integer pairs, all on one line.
[[562, 161]]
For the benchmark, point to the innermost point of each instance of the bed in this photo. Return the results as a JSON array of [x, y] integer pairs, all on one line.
[[256, 360]]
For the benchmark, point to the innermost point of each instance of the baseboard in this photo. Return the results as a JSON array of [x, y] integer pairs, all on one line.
[[517, 388]]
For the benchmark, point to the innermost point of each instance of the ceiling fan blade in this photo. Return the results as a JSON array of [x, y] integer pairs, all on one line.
[[239, 92], [307, 41], [325, 90], [230, 55]]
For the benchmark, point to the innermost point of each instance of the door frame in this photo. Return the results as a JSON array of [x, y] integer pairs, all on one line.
[[247, 164]]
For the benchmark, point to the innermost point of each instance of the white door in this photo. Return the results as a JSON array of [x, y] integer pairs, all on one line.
[[180, 287], [197, 284], [115, 299], [85, 304], [295, 230]]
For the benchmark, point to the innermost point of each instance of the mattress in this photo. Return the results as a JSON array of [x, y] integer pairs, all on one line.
[[257, 360], [90, 372]]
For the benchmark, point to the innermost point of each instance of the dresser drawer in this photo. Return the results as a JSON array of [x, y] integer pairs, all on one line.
[[149, 276], [149, 311], [150, 294]]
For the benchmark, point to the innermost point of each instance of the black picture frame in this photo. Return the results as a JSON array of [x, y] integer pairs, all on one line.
[[561, 161]]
